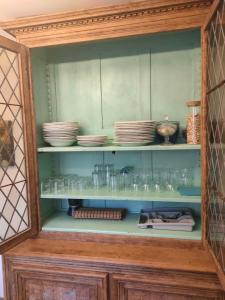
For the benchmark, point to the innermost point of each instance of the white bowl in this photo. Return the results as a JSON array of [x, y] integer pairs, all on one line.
[[60, 143]]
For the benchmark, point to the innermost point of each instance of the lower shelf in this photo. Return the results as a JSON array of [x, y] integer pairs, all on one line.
[[61, 222]]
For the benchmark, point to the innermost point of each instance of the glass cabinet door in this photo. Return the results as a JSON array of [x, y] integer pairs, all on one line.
[[214, 34], [18, 184]]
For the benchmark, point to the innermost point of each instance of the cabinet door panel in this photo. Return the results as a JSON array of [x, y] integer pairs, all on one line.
[[48, 290], [214, 133], [35, 281], [17, 151], [160, 286]]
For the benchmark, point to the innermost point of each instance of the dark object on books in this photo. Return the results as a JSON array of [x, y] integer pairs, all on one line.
[[74, 204]]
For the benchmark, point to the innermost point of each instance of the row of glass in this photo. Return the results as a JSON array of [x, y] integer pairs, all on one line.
[[126, 179]]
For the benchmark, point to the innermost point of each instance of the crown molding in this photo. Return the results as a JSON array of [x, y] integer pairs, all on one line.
[[108, 22]]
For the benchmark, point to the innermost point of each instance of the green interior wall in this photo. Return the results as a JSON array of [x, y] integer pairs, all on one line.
[[41, 97], [99, 83]]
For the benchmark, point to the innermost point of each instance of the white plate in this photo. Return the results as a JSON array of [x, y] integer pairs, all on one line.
[[133, 139], [90, 144], [72, 137], [60, 130], [135, 122], [59, 134], [130, 144], [61, 124], [91, 137]]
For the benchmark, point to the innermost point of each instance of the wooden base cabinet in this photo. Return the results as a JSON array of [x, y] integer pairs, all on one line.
[[36, 281], [72, 270]]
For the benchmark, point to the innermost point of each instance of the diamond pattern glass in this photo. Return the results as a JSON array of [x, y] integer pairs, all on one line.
[[216, 135], [14, 216]]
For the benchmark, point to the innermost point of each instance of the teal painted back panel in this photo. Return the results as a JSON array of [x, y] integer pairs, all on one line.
[[125, 82], [43, 114], [40, 89], [77, 88], [128, 79]]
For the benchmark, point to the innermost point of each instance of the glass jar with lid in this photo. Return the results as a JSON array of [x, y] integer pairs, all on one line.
[[193, 122]]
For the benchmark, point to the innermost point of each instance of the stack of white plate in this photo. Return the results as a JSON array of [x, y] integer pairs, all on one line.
[[91, 140], [134, 133], [60, 134]]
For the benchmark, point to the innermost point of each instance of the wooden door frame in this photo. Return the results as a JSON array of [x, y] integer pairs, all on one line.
[[29, 143], [204, 109]]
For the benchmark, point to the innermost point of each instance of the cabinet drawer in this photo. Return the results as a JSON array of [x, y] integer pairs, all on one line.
[[32, 282], [151, 287]]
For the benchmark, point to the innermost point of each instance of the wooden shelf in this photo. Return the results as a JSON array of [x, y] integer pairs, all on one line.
[[61, 222], [119, 148], [104, 194]]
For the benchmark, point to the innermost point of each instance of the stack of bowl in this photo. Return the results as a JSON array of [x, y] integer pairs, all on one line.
[[60, 134], [134, 133]]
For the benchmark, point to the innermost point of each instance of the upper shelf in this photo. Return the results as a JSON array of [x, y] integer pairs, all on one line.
[[120, 148], [104, 194]]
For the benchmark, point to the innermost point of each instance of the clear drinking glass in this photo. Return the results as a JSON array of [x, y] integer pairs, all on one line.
[[146, 180], [157, 185], [101, 171], [45, 186], [186, 177], [135, 180], [59, 187], [115, 181], [96, 180], [109, 169]]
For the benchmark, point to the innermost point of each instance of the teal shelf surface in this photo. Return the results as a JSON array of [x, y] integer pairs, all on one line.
[[104, 194], [61, 222], [111, 148]]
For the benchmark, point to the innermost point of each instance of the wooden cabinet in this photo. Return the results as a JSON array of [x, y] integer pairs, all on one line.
[[46, 288], [38, 281], [162, 286], [98, 82], [46, 269]]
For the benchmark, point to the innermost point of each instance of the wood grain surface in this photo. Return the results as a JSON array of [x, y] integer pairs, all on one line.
[[109, 22], [157, 256]]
